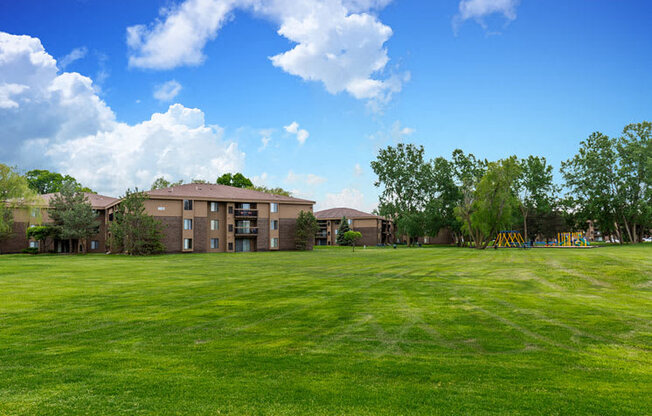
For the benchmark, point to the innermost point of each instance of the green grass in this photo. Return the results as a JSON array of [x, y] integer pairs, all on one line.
[[378, 331]]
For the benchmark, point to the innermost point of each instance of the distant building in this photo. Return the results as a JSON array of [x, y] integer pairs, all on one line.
[[375, 229]]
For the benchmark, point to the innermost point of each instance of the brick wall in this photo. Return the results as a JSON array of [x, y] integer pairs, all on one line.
[[172, 230], [17, 241], [263, 242], [200, 239]]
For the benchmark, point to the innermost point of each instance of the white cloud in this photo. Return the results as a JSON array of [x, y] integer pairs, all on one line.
[[395, 134], [479, 9], [348, 198], [302, 134], [167, 91], [260, 180], [74, 55], [56, 120], [339, 43], [265, 138], [308, 179], [357, 170]]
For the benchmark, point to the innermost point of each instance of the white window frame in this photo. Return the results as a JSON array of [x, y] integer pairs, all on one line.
[[273, 207], [214, 207], [33, 244], [271, 224], [95, 244], [215, 225], [187, 243], [187, 221], [216, 241], [273, 242]]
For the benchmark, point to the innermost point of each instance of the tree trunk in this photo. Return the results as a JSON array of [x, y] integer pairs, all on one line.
[[629, 233], [525, 226]]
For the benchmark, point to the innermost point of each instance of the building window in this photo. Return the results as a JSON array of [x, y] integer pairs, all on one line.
[[95, 244], [161, 208], [274, 224], [350, 222], [33, 244], [187, 224], [230, 246], [230, 210], [215, 243], [187, 243], [230, 228], [35, 212], [187, 204], [274, 242], [214, 207], [273, 207], [336, 231], [111, 217], [215, 225]]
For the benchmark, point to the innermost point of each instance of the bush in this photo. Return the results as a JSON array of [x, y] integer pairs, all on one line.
[[30, 250]]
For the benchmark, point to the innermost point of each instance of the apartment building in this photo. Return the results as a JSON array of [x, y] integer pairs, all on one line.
[[375, 229], [210, 218], [38, 214]]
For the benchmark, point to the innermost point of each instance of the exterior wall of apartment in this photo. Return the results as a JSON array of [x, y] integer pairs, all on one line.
[[288, 214], [262, 239], [370, 228]]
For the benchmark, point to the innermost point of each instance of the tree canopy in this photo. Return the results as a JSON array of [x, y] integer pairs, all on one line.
[[238, 180], [132, 230], [72, 214], [44, 181], [15, 193]]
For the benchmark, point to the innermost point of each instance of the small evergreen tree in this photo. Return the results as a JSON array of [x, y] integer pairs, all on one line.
[[73, 215], [306, 229], [344, 227], [133, 231]]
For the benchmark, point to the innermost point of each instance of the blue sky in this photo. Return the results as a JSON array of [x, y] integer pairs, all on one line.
[[493, 77]]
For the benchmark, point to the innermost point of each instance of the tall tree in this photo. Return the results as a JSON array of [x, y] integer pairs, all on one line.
[[162, 183], [343, 228], [535, 189], [132, 230], [44, 181], [238, 180], [72, 214], [306, 229], [468, 172], [439, 212], [15, 193]]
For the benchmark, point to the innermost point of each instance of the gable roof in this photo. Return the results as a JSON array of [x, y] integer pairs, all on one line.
[[209, 191], [96, 201], [349, 213]]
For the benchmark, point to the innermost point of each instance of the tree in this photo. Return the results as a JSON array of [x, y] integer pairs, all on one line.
[[535, 189], [132, 230], [275, 191], [72, 214], [343, 228], [411, 224], [238, 180], [351, 237], [468, 172], [44, 182], [495, 201], [15, 193], [439, 212], [41, 233], [162, 183], [306, 229]]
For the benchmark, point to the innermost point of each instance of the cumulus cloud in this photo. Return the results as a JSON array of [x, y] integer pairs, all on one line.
[[308, 179], [301, 134], [167, 91], [56, 120], [339, 43], [394, 134], [74, 55], [347, 197], [479, 9]]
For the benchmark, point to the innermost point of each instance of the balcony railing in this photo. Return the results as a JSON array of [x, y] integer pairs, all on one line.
[[321, 234], [246, 230], [247, 213]]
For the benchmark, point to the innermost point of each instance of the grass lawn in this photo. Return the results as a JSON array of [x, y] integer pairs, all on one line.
[[378, 331]]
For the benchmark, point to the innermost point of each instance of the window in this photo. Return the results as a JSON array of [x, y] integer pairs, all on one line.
[[187, 243], [274, 242], [230, 210], [230, 246], [274, 225], [230, 228], [215, 225], [161, 208], [187, 204], [111, 217], [214, 207], [35, 212], [350, 222], [215, 243], [273, 207], [187, 224], [33, 244], [95, 244], [336, 231]]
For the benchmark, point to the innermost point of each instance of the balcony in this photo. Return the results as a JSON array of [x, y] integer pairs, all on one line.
[[246, 213], [246, 231], [321, 234]]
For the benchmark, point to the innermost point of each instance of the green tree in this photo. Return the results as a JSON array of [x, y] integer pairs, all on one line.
[[15, 193], [238, 180], [42, 233], [72, 214], [342, 229], [468, 172], [535, 190], [411, 224], [44, 181], [305, 230], [275, 191], [162, 183], [132, 230], [351, 237], [496, 201], [439, 212]]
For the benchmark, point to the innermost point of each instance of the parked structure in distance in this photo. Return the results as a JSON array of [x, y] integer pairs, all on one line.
[[195, 217], [375, 229]]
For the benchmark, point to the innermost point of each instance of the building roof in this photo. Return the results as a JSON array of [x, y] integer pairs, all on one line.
[[349, 213], [216, 192], [96, 201]]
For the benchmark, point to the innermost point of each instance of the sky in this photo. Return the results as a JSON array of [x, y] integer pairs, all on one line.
[[302, 94]]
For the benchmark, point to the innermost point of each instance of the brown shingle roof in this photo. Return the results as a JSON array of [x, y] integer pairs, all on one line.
[[221, 193], [338, 213], [96, 201]]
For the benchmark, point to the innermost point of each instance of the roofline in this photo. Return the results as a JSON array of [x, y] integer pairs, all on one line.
[[295, 201]]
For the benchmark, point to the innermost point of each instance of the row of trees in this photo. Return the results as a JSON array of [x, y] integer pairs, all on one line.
[[609, 182], [237, 180]]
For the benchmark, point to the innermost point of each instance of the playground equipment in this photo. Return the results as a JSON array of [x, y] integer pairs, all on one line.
[[572, 239], [509, 239]]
